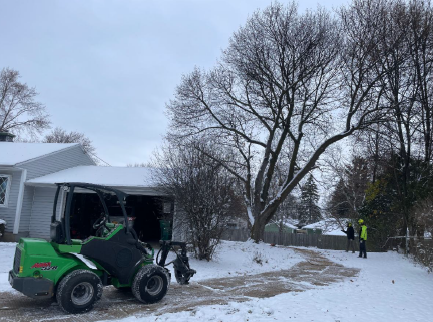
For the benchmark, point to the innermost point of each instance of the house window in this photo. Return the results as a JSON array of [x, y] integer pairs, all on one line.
[[5, 182]]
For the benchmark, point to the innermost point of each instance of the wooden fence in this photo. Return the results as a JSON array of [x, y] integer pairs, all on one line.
[[236, 234], [289, 239]]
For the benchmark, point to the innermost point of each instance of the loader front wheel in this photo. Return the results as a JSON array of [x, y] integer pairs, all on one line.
[[150, 284], [78, 291]]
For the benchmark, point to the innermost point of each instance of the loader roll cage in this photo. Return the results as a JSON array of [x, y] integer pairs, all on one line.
[[61, 232], [98, 189]]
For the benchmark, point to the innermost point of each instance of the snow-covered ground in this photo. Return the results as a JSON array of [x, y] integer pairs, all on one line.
[[7, 253], [236, 258], [388, 288]]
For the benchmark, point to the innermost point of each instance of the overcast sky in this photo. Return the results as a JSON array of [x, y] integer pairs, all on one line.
[[107, 68]]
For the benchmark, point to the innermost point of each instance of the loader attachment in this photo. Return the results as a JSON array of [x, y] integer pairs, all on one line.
[[182, 271]]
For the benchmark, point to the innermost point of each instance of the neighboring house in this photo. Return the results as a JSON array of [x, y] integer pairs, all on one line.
[[315, 228], [326, 227], [283, 227], [28, 176]]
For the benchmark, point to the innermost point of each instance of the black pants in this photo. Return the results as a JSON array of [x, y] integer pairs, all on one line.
[[362, 248]]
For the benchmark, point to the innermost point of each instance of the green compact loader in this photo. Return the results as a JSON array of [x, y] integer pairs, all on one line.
[[74, 271]]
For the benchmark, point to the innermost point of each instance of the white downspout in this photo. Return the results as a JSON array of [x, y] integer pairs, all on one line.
[[20, 200], [62, 205]]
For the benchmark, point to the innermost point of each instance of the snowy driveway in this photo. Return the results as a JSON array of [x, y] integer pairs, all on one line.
[[315, 270]]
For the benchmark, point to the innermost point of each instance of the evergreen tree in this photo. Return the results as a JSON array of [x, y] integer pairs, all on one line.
[[338, 205], [309, 209], [358, 177]]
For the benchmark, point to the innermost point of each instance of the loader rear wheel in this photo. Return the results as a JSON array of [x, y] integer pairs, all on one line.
[[150, 284], [78, 291]]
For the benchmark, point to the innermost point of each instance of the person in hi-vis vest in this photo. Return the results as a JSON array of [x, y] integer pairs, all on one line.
[[362, 239]]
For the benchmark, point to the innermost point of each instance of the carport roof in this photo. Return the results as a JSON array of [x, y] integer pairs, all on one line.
[[131, 177]]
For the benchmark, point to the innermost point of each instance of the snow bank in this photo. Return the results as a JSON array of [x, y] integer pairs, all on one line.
[[7, 253], [236, 258]]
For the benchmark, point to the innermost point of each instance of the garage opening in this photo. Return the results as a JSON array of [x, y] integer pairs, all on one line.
[[145, 213]]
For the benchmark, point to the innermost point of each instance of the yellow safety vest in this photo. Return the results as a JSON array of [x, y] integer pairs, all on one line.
[[364, 232]]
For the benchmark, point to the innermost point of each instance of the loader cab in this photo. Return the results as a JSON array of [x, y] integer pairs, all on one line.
[[63, 232]]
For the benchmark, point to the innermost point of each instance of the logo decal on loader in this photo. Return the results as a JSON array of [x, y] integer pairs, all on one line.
[[44, 266]]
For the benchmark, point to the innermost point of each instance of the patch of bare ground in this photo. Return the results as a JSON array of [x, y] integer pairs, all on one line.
[[314, 271]]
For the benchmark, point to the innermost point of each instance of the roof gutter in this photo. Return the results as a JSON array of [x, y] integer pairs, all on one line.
[[20, 200]]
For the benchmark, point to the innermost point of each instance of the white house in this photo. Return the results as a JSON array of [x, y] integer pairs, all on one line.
[[29, 172]]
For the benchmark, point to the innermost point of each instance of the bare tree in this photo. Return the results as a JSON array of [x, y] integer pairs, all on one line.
[[419, 40], [19, 112], [205, 194], [287, 87], [405, 35], [423, 213], [59, 135]]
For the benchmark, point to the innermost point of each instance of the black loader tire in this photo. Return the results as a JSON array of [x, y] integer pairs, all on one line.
[[78, 291], [150, 284]]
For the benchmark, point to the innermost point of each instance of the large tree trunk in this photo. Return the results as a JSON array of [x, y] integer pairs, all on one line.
[[258, 230]]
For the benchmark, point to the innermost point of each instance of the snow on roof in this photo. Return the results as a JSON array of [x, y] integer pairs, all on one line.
[[12, 153], [328, 226], [107, 176], [316, 225], [288, 224], [285, 223]]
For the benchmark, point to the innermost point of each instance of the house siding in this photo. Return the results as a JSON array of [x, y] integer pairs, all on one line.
[[61, 160], [42, 211], [8, 213], [26, 209]]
